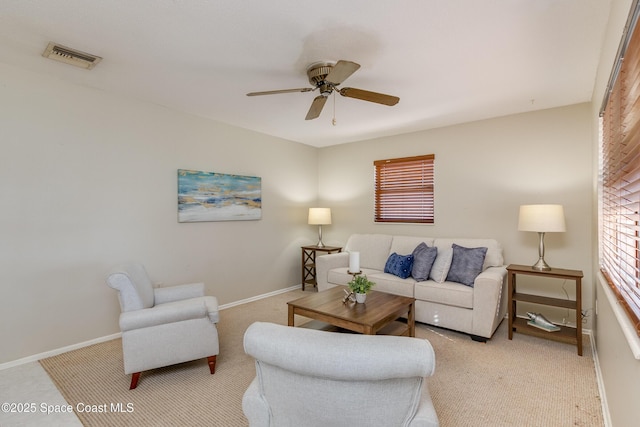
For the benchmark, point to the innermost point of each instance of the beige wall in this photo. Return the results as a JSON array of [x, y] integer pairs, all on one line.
[[484, 171], [88, 181], [619, 368]]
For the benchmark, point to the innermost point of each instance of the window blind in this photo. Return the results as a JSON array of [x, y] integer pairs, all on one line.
[[620, 181], [404, 190]]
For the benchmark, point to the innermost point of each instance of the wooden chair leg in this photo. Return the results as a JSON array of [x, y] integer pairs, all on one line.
[[211, 360], [212, 364], [134, 380]]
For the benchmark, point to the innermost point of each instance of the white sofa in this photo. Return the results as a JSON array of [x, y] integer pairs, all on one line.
[[476, 310]]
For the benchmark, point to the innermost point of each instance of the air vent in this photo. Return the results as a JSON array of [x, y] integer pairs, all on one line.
[[70, 56]]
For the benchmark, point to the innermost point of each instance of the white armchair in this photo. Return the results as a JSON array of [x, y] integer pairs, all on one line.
[[163, 326], [314, 378]]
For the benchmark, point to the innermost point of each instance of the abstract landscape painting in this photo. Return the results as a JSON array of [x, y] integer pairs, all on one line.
[[210, 196]]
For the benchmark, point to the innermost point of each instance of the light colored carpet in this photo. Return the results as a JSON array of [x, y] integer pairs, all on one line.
[[523, 382]]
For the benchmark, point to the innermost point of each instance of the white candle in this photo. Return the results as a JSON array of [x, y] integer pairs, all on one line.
[[354, 262]]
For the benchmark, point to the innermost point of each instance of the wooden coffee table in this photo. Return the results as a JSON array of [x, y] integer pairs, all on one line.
[[378, 315]]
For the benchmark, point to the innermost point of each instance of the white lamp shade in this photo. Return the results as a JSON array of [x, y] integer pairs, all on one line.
[[319, 216], [541, 218]]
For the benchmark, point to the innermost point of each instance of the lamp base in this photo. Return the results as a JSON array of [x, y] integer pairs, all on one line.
[[541, 265], [320, 244]]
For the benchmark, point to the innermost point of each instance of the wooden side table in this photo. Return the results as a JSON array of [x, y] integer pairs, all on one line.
[[565, 334], [309, 262]]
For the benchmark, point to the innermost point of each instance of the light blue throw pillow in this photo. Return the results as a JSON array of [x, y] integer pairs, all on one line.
[[466, 264], [423, 258], [441, 265], [399, 265]]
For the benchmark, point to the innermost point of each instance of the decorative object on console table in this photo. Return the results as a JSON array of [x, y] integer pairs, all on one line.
[[361, 286], [309, 262], [537, 320], [565, 334], [319, 217], [541, 219]]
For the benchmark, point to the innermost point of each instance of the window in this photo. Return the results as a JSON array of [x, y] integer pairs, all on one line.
[[619, 196], [404, 190]]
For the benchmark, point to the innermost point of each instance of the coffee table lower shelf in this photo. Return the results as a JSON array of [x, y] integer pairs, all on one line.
[[396, 327]]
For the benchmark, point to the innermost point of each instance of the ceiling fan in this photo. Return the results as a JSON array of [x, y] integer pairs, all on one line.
[[326, 77]]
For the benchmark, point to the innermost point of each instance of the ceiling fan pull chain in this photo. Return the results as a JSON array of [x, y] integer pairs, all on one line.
[[333, 122]]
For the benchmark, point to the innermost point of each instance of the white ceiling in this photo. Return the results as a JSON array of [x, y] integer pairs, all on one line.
[[449, 61]]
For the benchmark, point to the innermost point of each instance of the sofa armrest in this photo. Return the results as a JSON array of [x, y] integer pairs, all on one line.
[[324, 263], [426, 414], [177, 293], [211, 304], [255, 407], [489, 290], [162, 314]]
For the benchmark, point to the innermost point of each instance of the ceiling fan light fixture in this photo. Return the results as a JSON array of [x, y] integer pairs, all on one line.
[[326, 89]]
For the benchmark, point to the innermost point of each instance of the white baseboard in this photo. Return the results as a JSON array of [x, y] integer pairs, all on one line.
[[606, 415], [259, 297], [36, 357]]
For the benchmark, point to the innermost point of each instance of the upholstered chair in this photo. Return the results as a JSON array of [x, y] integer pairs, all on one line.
[[163, 326], [315, 378]]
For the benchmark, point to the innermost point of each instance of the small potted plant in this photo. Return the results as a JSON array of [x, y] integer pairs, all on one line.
[[360, 285]]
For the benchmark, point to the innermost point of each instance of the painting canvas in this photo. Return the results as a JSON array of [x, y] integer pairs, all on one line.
[[210, 196]]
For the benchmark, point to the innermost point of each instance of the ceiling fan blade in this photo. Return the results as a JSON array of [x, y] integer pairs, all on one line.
[[341, 71], [316, 107], [275, 92], [365, 95]]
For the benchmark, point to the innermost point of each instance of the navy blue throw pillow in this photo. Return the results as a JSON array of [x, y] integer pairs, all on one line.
[[466, 264], [399, 265]]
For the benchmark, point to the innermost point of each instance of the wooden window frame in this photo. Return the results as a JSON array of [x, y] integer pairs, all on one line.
[[404, 190], [619, 186]]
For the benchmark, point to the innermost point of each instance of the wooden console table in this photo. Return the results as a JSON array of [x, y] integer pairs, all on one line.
[[565, 334], [309, 262]]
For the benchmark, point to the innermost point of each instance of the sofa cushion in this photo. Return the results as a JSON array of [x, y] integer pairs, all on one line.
[[441, 265], [374, 249], [399, 265], [423, 258], [406, 244], [391, 284], [447, 293], [466, 264]]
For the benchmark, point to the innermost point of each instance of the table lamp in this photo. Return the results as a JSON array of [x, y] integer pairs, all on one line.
[[319, 217], [541, 219]]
